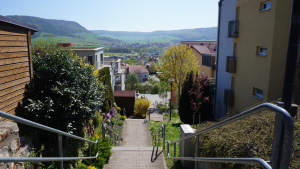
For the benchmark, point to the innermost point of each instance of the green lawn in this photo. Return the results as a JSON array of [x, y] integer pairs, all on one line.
[[143, 39], [134, 61], [172, 134]]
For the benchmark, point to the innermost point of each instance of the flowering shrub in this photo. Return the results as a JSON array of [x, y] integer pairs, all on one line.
[[123, 117], [118, 108], [64, 94], [141, 107], [91, 167]]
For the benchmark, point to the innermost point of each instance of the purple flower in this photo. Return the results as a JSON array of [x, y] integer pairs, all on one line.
[[108, 115], [112, 112]]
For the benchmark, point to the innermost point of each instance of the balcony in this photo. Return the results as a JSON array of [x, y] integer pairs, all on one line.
[[118, 82], [231, 64], [209, 60], [233, 29], [228, 97]]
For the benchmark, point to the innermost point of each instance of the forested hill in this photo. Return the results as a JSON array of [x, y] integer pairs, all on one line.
[[51, 26], [184, 34]]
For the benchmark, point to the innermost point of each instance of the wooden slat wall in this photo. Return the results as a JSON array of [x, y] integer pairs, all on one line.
[[15, 65]]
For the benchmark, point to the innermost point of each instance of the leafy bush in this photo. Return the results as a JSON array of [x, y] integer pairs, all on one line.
[[249, 137], [141, 107], [155, 88], [120, 123], [123, 117], [118, 108], [64, 95], [104, 152], [104, 76], [113, 120]]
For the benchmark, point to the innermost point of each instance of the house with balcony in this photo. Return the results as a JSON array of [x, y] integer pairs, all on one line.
[[117, 73], [93, 55], [252, 50], [226, 59]]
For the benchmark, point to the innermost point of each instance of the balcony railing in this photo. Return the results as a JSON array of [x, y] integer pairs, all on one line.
[[231, 64], [118, 82], [233, 29], [208, 60], [228, 97]]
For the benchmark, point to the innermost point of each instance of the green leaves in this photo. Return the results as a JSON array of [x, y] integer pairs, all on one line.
[[65, 95]]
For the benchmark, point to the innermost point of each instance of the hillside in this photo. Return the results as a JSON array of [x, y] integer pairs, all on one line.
[[167, 36], [51, 26], [63, 31]]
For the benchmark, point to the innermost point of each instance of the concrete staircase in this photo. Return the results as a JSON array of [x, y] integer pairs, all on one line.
[[136, 150]]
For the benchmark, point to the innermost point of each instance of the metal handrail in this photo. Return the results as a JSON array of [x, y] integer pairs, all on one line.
[[43, 127], [115, 135], [156, 136], [280, 152]]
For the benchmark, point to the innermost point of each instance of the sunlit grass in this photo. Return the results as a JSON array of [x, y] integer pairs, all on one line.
[[172, 134]]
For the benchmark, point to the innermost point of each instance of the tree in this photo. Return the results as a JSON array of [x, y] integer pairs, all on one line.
[[176, 63], [155, 89], [197, 98], [131, 81], [104, 77], [185, 110], [129, 62], [153, 68], [64, 95]]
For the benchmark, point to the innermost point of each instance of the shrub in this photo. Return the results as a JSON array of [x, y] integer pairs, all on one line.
[[120, 123], [118, 108], [141, 107], [123, 118], [155, 88], [113, 120], [104, 77], [64, 95]]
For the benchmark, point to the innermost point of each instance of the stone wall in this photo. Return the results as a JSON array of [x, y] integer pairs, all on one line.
[[10, 145]]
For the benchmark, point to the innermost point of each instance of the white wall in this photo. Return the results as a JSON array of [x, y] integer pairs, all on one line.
[[86, 53], [225, 49], [142, 76]]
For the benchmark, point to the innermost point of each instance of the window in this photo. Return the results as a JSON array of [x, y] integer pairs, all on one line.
[[258, 93], [145, 76], [265, 6], [90, 60], [201, 44], [96, 58], [262, 51]]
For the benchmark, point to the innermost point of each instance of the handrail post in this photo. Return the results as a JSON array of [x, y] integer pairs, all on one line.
[[164, 135], [117, 139], [197, 151], [90, 153], [60, 150], [168, 148], [174, 154]]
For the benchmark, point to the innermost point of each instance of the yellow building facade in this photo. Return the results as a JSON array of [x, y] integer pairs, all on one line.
[[208, 70], [260, 33]]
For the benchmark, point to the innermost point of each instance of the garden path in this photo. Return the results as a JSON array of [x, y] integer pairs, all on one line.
[[136, 149]]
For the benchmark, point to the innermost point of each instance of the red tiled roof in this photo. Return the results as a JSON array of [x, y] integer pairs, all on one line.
[[137, 69], [201, 49], [209, 44], [124, 93]]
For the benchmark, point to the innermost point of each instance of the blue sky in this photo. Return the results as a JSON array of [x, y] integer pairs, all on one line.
[[121, 15]]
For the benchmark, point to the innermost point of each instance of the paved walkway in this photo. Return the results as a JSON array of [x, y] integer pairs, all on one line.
[[135, 151]]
